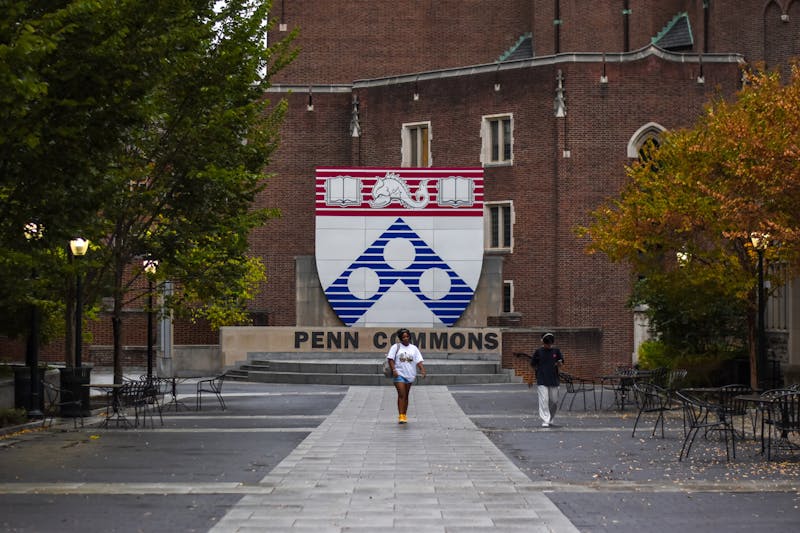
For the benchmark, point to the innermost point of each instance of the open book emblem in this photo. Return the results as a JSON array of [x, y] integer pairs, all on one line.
[[456, 191], [343, 191]]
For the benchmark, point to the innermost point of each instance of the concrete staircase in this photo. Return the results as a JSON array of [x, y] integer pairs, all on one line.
[[366, 369]]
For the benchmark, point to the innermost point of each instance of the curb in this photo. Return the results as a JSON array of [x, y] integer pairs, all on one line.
[[10, 430], [57, 423]]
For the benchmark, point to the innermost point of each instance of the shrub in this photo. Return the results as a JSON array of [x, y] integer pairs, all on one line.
[[12, 417], [653, 354], [715, 367]]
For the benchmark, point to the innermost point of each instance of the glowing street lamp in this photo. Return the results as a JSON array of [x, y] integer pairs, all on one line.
[[33, 232], [78, 247], [150, 268], [760, 242]]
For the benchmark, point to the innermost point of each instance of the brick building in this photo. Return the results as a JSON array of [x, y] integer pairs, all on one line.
[[581, 87], [567, 90]]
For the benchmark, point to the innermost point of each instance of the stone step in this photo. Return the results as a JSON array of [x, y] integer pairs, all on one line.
[[338, 371], [351, 366], [374, 379], [365, 356]]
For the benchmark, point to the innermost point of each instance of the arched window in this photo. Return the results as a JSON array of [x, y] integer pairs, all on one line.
[[650, 132]]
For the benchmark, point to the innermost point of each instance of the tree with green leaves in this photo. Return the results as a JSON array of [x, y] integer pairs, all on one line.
[[183, 160], [70, 87], [692, 203]]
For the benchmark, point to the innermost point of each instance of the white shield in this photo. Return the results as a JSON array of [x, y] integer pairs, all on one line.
[[399, 246]]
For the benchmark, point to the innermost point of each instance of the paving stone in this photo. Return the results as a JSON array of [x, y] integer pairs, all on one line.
[[437, 473]]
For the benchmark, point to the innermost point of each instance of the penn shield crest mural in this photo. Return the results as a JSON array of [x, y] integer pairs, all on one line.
[[399, 246]]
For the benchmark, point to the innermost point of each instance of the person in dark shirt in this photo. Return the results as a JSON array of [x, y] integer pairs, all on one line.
[[546, 361]]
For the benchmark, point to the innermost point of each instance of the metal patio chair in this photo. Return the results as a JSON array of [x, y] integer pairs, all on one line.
[[651, 399], [574, 386], [785, 417], [212, 386], [54, 399], [766, 414], [708, 417], [733, 407]]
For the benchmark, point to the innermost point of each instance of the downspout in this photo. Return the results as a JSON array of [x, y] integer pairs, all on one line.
[[626, 18], [560, 112], [557, 27]]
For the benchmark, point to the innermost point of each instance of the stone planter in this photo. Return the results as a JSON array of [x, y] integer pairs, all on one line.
[[73, 380], [6, 393], [22, 386]]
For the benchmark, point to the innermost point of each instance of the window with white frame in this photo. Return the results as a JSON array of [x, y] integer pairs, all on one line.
[[497, 140], [499, 218], [508, 296], [777, 303], [649, 133], [416, 145]]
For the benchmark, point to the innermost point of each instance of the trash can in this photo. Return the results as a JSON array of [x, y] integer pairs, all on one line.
[[22, 388], [73, 380]]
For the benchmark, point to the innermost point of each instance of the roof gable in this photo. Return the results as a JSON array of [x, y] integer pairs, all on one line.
[[676, 35], [522, 49]]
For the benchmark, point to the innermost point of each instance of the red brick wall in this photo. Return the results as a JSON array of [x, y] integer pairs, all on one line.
[[97, 349], [599, 26], [309, 139], [740, 27], [349, 40], [580, 348], [556, 284], [353, 39]]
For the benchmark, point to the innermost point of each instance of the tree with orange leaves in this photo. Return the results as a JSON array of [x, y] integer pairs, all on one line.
[[695, 198]]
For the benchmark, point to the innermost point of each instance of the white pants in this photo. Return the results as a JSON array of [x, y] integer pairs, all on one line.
[[548, 402]]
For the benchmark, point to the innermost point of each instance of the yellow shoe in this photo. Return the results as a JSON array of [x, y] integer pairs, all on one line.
[[402, 419]]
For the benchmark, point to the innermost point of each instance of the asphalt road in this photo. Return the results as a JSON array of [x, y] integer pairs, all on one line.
[[263, 424], [603, 479], [600, 477]]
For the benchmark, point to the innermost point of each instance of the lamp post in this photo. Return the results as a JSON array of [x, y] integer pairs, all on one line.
[[33, 232], [78, 247], [759, 242], [150, 268]]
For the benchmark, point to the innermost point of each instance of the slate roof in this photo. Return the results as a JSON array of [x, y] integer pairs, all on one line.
[[522, 49], [676, 35]]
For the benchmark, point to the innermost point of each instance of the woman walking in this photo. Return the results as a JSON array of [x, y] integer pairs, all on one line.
[[405, 360]]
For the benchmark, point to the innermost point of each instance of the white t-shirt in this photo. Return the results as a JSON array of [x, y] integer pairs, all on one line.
[[405, 360]]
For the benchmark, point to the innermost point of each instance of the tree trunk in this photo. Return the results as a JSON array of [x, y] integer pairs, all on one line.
[[752, 348], [116, 328], [116, 319]]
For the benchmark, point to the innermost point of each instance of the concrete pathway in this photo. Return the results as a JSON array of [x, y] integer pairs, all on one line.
[[361, 471]]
